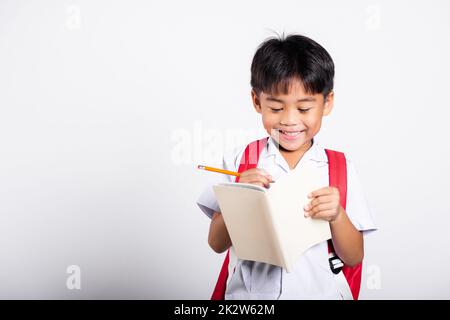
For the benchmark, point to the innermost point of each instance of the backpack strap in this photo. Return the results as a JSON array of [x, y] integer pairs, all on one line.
[[249, 161], [348, 278], [337, 173]]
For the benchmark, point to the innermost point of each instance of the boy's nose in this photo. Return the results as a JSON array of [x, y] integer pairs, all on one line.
[[289, 118]]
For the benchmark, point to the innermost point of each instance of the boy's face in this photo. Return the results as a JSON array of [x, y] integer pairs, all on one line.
[[292, 119]]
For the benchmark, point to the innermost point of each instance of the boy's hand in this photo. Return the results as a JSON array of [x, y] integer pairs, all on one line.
[[257, 176], [324, 204]]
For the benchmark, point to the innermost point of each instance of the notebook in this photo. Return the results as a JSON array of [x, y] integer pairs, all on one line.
[[268, 225]]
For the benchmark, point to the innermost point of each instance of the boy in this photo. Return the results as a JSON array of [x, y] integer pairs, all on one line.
[[292, 89]]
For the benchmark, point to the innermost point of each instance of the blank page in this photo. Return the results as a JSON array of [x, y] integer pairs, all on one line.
[[246, 214]]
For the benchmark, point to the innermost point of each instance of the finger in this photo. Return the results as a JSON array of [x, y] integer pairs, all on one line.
[[256, 177], [266, 181], [259, 178], [321, 199], [320, 207], [255, 171], [323, 206], [324, 215], [249, 177], [322, 192], [263, 173], [248, 172]]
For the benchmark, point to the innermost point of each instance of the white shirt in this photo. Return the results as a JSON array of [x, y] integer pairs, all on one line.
[[311, 277]]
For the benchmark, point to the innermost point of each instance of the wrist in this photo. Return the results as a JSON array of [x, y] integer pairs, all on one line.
[[339, 217]]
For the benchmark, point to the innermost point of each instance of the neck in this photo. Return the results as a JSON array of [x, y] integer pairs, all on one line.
[[293, 157]]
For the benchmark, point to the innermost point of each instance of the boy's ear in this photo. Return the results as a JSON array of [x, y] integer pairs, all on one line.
[[256, 101], [328, 103]]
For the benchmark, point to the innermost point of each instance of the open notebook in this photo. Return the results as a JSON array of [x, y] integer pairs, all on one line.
[[268, 225]]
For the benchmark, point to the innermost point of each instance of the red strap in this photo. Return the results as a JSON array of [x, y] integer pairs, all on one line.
[[251, 155], [337, 170], [249, 161], [221, 285]]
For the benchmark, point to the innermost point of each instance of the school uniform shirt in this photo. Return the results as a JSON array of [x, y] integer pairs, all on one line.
[[311, 277]]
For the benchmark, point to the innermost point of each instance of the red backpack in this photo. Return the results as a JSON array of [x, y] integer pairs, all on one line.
[[348, 278]]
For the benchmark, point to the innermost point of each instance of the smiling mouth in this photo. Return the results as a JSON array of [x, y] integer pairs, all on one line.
[[291, 133]]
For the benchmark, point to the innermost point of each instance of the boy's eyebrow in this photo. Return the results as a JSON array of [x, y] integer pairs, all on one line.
[[299, 100]]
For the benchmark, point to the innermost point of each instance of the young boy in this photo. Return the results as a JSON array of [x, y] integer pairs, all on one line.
[[292, 89]]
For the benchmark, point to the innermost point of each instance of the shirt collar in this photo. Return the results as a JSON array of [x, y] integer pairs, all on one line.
[[315, 153]]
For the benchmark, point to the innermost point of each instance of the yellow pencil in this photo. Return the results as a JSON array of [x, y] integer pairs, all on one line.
[[237, 174]]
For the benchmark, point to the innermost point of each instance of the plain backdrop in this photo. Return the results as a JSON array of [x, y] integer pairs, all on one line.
[[106, 108]]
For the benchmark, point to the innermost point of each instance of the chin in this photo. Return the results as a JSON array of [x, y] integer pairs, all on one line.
[[290, 145]]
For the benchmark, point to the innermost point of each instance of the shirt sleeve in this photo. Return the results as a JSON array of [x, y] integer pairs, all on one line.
[[207, 200], [357, 208]]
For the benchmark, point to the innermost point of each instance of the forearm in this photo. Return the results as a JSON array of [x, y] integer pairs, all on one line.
[[347, 240], [218, 237]]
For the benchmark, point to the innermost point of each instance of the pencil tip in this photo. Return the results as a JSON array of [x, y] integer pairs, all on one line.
[[200, 166]]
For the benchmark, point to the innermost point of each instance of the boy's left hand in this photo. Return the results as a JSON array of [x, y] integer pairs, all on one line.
[[324, 204]]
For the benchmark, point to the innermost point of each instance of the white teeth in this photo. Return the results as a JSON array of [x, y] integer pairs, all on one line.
[[290, 133]]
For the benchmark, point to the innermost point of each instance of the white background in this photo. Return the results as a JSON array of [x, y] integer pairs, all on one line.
[[106, 108]]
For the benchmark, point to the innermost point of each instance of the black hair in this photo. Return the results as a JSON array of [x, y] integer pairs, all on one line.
[[280, 60]]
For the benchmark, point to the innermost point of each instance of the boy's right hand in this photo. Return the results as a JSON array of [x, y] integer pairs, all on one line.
[[257, 176]]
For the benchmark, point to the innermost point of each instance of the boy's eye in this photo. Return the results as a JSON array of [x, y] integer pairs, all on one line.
[[302, 110], [276, 110]]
